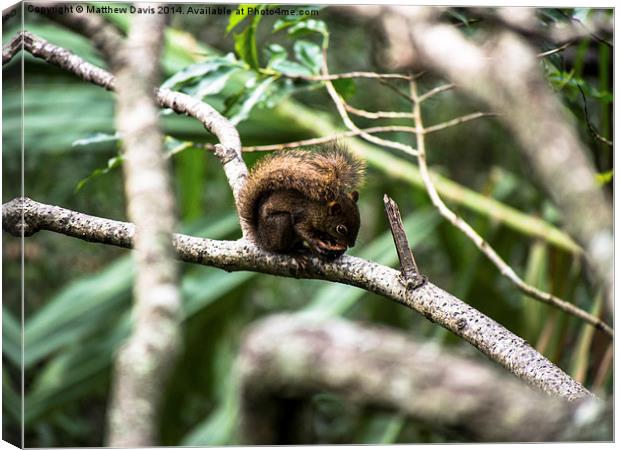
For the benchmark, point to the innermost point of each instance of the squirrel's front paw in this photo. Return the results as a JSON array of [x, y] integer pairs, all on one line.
[[302, 262]]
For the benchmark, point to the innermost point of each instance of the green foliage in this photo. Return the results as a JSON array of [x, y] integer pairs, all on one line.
[[78, 295]]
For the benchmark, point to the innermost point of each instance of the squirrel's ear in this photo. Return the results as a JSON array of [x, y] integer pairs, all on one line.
[[334, 208], [354, 196]]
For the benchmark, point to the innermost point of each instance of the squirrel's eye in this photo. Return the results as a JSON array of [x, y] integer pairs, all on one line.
[[341, 229]]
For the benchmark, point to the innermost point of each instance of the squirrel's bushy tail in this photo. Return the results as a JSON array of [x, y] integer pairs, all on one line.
[[321, 174]]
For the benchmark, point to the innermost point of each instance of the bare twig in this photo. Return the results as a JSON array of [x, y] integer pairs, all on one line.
[[290, 357], [553, 51], [376, 114], [396, 90], [370, 130], [591, 128], [483, 245], [145, 359], [528, 108], [485, 334], [457, 121], [349, 123], [321, 140], [408, 266], [340, 76], [435, 91]]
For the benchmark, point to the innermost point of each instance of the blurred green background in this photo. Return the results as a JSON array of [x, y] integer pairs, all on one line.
[[77, 295]]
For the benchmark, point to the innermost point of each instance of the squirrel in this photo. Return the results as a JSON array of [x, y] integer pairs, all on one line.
[[304, 202]]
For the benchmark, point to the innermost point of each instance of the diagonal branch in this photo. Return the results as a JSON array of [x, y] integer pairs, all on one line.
[[229, 148], [483, 245], [435, 304], [505, 74]]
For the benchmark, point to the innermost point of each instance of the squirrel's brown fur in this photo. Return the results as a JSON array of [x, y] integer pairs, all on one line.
[[324, 175], [321, 174]]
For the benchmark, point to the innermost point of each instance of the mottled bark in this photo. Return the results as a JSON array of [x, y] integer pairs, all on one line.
[[435, 304], [287, 358]]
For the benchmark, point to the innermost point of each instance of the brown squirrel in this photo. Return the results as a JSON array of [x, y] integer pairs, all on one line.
[[304, 202]]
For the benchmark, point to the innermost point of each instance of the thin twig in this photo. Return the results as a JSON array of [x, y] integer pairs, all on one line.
[[554, 50], [340, 76], [591, 128], [457, 121], [377, 114], [349, 123], [320, 140], [434, 91], [396, 90], [483, 245]]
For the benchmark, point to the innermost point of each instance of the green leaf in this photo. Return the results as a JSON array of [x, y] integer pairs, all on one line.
[[245, 42], [253, 95], [218, 427], [11, 400], [214, 82], [238, 16], [309, 54], [345, 87], [581, 14], [307, 27], [605, 177], [537, 275], [287, 22], [11, 337], [112, 164], [66, 323], [277, 58], [195, 72], [582, 357], [173, 146], [275, 53], [294, 19]]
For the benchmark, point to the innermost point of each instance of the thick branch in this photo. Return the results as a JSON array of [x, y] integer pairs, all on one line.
[[290, 357], [486, 335], [145, 359]]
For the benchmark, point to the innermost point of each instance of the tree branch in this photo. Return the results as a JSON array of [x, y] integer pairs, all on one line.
[[229, 149], [145, 359], [483, 245], [106, 37], [289, 357], [485, 334], [507, 77]]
